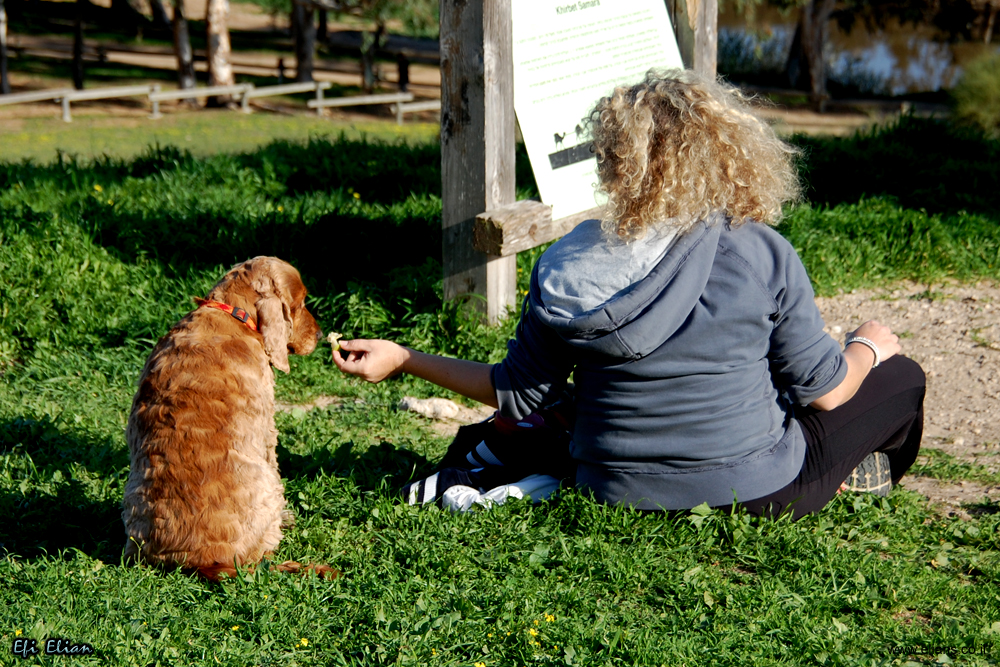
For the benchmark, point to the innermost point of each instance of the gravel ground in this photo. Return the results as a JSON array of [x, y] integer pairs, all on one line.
[[953, 331]]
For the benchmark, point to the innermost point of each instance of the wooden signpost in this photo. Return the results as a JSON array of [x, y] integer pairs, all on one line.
[[483, 227]]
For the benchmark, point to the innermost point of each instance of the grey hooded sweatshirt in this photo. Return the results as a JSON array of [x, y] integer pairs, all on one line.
[[686, 354]]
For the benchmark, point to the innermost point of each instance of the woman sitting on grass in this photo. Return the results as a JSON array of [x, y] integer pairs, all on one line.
[[702, 372]]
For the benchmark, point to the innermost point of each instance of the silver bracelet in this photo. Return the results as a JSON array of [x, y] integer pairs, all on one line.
[[865, 341]]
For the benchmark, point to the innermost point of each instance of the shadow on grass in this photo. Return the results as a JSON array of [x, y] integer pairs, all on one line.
[[62, 492], [930, 164], [369, 469]]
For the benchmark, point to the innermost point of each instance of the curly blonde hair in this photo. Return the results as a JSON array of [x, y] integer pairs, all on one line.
[[677, 147]]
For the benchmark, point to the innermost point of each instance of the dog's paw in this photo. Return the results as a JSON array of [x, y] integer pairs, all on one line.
[[287, 519]]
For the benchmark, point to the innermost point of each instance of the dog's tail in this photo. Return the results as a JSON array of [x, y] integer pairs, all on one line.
[[215, 571]]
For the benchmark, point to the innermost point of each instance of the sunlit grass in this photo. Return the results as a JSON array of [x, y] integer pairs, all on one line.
[[203, 133], [100, 258]]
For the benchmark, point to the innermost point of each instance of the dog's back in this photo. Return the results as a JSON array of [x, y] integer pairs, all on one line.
[[203, 490]]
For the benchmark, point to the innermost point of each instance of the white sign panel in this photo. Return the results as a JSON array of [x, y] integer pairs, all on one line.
[[568, 55]]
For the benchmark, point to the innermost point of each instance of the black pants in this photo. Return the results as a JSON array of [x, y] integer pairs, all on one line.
[[886, 415]]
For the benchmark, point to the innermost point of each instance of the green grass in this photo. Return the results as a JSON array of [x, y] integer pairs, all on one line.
[[205, 133], [923, 164], [935, 463], [99, 258]]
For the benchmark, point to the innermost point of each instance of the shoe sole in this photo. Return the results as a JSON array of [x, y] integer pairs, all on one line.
[[871, 476]]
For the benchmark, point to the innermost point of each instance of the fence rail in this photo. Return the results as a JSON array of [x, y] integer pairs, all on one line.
[[403, 102], [35, 96], [414, 107], [191, 93], [360, 100], [289, 89], [104, 94]]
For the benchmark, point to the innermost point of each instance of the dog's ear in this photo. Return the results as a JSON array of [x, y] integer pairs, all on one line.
[[273, 317]]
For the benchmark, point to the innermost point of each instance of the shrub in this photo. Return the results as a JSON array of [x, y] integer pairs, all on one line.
[[977, 95], [922, 163]]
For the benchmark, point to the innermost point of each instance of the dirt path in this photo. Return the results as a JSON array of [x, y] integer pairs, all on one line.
[[953, 331]]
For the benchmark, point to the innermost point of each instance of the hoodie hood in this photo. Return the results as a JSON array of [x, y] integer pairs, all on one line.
[[622, 300]]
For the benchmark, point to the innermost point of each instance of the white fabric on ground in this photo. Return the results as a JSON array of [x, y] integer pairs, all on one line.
[[464, 498]]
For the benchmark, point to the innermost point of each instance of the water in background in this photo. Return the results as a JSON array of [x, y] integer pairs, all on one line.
[[894, 61]]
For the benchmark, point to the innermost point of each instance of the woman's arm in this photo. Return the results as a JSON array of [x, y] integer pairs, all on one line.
[[859, 363], [375, 360]]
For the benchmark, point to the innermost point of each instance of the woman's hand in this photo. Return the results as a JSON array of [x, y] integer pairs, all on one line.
[[371, 360], [879, 334]]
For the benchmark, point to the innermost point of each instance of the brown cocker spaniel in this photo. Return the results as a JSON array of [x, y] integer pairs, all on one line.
[[203, 489]]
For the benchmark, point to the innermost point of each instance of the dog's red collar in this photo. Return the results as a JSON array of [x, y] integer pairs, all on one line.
[[240, 314]]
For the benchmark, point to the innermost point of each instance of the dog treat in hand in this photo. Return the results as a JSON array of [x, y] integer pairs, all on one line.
[[334, 339]]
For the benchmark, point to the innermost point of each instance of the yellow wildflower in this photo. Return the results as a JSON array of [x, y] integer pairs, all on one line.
[[434, 651], [532, 632], [304, 641], [280, 209], [236, 627], [536, 621], [480, 664], [357, 195], [265, 597], [98, 188], [17, 633], [549, 618]]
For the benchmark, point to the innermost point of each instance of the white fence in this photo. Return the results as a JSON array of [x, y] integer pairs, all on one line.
[[244, 92]]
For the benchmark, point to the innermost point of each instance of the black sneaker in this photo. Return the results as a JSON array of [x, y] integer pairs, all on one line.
[[871, 476]]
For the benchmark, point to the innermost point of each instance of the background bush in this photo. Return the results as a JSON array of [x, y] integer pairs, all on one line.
[[977, 95]]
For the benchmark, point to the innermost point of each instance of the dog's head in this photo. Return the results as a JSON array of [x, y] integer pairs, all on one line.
[[272, 292]]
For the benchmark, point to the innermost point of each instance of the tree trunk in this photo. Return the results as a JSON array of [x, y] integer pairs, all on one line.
[[160, 18], [4, 81], [304, 34], [369, 48], [990, 21], [220, 71], [322, 31], [806, 67], [78, 45], [182, 49]]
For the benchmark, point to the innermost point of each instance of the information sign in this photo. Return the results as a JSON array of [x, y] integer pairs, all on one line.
[[567, 55]]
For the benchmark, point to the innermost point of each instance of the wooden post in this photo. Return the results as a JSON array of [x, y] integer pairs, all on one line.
[[477, 145], [696, 27]]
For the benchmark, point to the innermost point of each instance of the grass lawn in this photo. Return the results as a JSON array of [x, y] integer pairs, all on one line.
[[100, 257], [207, 132]]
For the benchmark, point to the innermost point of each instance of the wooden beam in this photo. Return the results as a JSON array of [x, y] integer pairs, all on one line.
[[477, 145], [696, 26], [521, 226]]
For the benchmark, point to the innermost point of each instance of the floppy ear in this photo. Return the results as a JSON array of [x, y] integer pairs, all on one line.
[[273, 320]]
